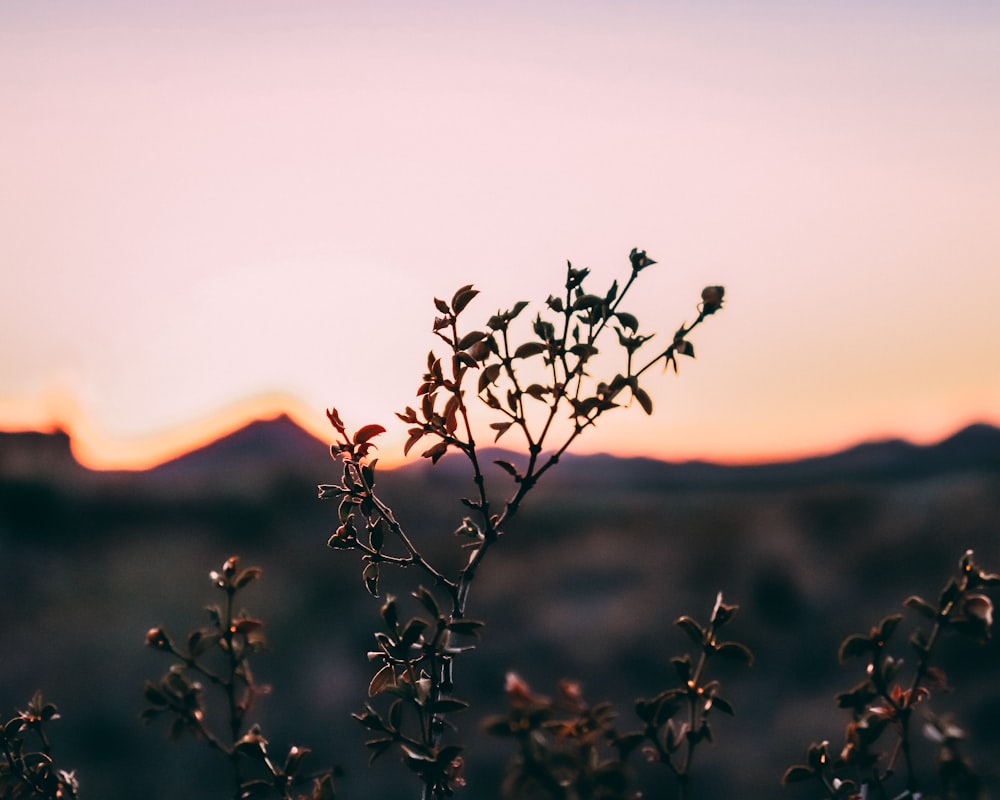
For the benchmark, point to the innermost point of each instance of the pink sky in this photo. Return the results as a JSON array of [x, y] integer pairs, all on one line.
[[210, 211]]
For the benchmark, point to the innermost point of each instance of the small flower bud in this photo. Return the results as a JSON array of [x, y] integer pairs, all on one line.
[[157, 639], [711, 299], [518, 692], [640, 260]]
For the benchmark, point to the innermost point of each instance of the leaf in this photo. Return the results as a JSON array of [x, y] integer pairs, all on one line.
[[201, 641], [436, 452], [247, 625], [921, 606], [500, 428], [370, 576], [685, 348], [466, 627], [441, 305], [529, 349], [412, 632], [888, 626], [643, 399], [293, 761], [428, 601], [854, 646], [382, 680], [949, 594], [470, 339], [586, 301], [509, 468], [583, 351], [447, 705], [669, 703], [377, 535], [462, 298], [628, 320], [154, 696], [645, 710], [451, 409], [735, 650], [519, 306], [367, 432], [682, 666], [797, 774], [488, 376], [694, 631], [390, 613], [416, 434], [723, 706], [246, 577], [334, 417], [378, 747]]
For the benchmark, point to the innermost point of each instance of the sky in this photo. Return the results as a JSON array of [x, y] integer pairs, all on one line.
[[216, 211]]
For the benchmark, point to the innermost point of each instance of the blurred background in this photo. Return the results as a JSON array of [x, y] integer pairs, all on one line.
[[586, 584]]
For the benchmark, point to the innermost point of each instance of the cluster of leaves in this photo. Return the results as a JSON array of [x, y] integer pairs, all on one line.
[[565, 746], [540, 386], [219, 653], [885, 707], [28, 770], [570, 749], [665, 738], [416, 660]]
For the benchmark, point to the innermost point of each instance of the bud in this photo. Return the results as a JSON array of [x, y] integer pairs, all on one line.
[[711, 299], [518, 692], [157, 639], [639, 259]]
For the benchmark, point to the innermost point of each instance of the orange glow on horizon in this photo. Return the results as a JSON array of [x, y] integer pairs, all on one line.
[[96, 451]]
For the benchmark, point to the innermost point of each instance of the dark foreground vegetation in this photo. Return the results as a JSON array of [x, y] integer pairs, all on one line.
[[89, 561]]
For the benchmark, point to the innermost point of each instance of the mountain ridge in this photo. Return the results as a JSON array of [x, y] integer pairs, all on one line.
[[280, 445]]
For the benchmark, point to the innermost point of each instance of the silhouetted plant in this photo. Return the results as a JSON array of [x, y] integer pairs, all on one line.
[[545, 382], [541, 386], [219, 653], [885, 707], [569, 749], [28, 770]]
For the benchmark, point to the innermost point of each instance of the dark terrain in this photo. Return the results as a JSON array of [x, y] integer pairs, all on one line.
[[585, 584]]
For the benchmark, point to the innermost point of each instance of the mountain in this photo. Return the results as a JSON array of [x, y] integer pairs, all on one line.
[[265, 449], [974, 448], [278, 445], [36, 455]]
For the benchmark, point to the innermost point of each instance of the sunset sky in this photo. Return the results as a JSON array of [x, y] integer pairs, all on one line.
[[211, 211]]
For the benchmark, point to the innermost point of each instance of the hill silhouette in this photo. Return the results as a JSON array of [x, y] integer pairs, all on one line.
[[280, 446]]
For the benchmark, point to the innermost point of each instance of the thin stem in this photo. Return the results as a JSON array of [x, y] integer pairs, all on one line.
[[229, 685]]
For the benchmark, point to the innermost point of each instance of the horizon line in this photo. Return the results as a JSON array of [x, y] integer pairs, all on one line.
[[96, 451]]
